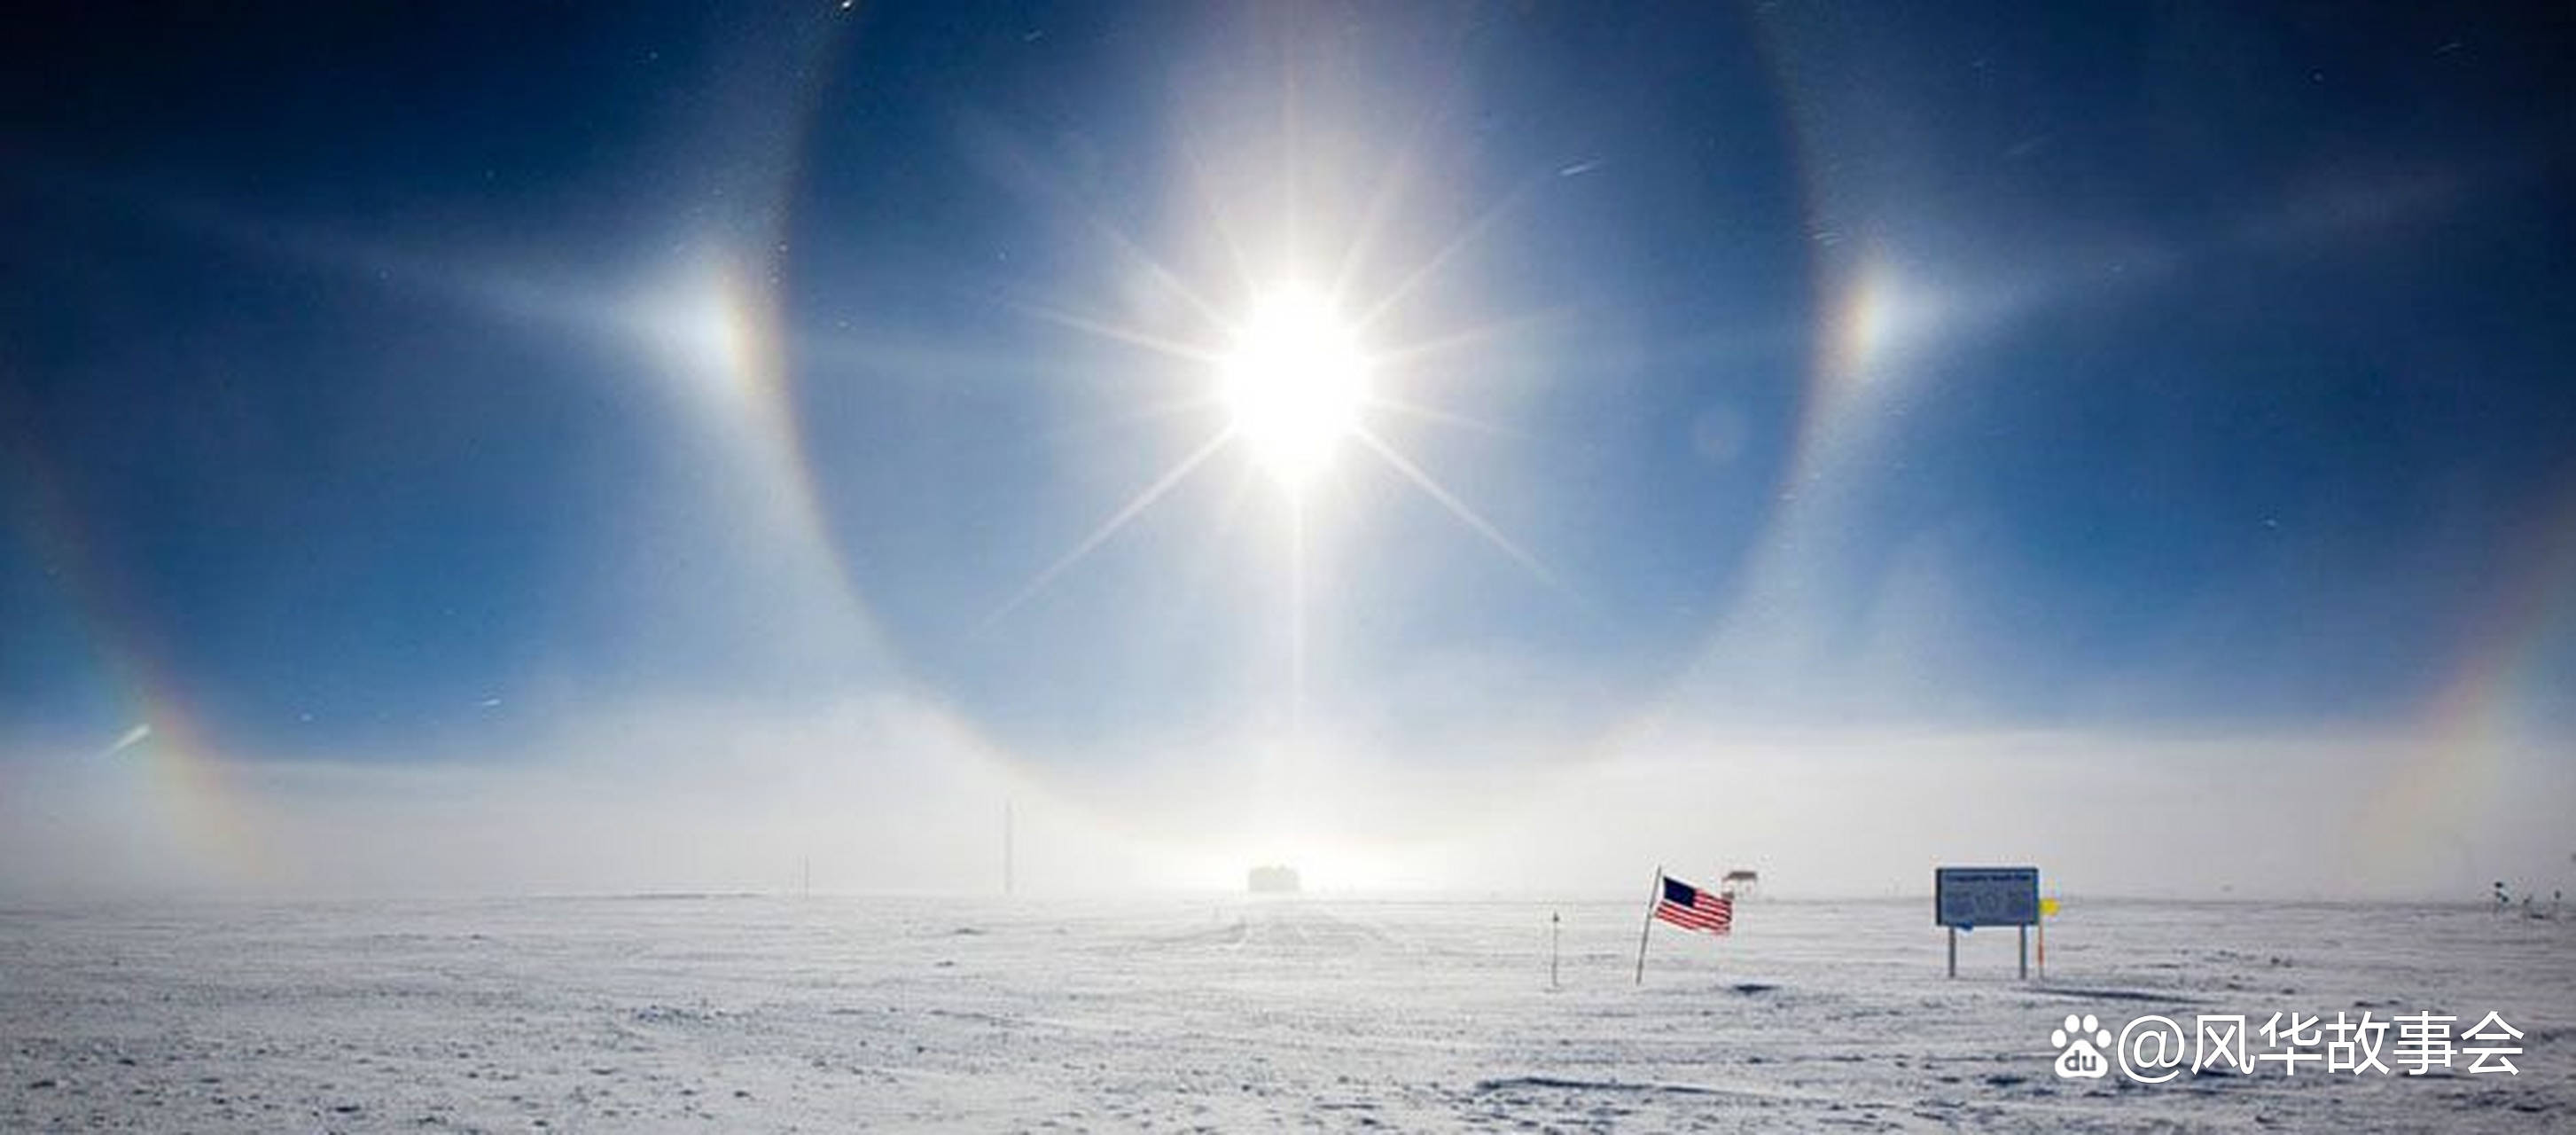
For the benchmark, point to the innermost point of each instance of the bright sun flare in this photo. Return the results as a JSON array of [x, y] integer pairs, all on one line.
[[1294, 383]]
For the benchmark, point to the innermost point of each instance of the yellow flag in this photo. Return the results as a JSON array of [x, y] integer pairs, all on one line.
[[2047, 907]]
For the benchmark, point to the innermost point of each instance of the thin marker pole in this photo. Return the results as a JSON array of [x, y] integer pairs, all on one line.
[[1651, 895], [1555, 933], [1729, 932]]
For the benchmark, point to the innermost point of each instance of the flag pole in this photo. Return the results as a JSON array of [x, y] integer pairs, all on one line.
[[1649, 926]]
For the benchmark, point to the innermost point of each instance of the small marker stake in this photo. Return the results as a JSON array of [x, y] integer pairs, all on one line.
[[1555, 931]]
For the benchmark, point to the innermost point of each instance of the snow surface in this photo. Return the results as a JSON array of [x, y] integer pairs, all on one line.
[[777, 1013]]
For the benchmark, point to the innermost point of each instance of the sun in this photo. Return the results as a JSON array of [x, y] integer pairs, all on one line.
[[1293, 383]]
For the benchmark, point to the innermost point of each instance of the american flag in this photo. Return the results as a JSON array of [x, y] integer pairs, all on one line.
[[1691, 908]]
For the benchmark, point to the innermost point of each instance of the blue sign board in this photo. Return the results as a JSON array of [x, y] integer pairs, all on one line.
[[1970, 897]]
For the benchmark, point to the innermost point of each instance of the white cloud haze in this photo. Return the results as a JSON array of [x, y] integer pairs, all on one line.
[[891, 793]]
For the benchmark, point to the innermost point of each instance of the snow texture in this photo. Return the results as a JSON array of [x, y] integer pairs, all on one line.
[[714, 1013]]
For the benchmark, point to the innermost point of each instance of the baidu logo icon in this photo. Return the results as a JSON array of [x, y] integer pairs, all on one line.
[[2082, 1042]]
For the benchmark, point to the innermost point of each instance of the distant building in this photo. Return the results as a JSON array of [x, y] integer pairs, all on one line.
[[1740, 882], [1273, 879]]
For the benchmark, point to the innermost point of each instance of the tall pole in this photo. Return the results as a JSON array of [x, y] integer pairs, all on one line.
[[1652, 893], [1006, 846], [1555, 932], [1954, 951], [2025, 953]]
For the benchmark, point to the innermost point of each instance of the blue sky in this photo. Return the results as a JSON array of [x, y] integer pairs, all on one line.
[[400, 389]]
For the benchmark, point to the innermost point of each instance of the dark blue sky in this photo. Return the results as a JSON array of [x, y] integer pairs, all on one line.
[[2178, 367]]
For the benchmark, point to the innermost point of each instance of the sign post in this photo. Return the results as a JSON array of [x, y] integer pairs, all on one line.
[[1964, 898]]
